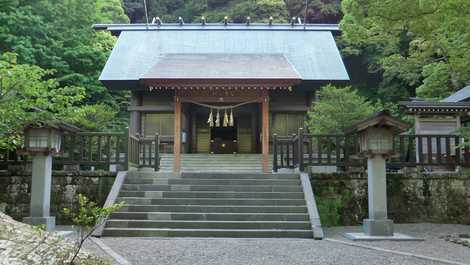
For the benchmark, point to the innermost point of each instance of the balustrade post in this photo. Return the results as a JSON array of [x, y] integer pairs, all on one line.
[[157, 152], [129, 149], [300, 150], [275, 152]]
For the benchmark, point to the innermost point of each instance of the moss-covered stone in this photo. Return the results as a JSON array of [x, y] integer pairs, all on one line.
[[412, 197], [15, 191]]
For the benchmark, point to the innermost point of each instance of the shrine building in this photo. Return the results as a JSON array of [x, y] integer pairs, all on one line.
[[221, 88]]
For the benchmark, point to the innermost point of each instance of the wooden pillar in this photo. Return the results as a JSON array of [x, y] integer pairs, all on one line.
[[177, 137], [265, 131], [135, 116]]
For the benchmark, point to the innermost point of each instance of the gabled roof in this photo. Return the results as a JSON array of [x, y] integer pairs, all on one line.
[[379, 119], [312, 51], [116, 29], [192, 70], [461, 95]]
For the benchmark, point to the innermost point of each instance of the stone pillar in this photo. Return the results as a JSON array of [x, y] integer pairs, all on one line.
[[41, 192], [378, 223]]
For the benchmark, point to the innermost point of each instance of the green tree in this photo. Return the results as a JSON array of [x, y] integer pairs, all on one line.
[[27, 95], [88, 216], [414, 46], [111, 11], [57, 35], [260, 11], [318, 11], [337, 109]]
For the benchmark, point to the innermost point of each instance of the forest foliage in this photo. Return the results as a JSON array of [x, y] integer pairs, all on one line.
[[50, 61], [393, 49]]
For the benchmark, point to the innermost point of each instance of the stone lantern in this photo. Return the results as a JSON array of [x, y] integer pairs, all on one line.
[[41, 141], [376, 135]]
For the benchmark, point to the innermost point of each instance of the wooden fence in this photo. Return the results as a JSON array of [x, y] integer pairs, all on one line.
[[94, 149], [100, 150], [303, 150], [143, 152]]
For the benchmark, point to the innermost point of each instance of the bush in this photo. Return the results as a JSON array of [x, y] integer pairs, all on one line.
[[338, 109]]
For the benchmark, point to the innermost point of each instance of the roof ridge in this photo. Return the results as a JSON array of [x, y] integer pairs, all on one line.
[[117, 28]]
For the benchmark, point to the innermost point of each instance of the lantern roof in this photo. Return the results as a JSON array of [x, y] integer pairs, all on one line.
[[380, 119]]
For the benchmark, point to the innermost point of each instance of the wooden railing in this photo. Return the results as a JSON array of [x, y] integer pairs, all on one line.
[[146, 152], [8, 157], [304, 150], [100, 150], [97, 149]]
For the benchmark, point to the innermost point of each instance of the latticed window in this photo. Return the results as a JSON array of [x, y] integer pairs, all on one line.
[[163, 123], [286, 123]]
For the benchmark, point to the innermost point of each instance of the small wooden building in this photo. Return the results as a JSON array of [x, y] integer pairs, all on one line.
[[221, 88], [434, 120], [437, 117]]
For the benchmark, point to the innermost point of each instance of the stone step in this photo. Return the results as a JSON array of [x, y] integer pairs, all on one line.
[[206, 162], [215, 156], [186, 201], [214, 181], [209, 224], [206, 194], [215, 208], [198, 203], [239, 176], [149, 178], [137, 174], [210, 216], [176, 232], [223, 170], [254, 188], [215, 161]]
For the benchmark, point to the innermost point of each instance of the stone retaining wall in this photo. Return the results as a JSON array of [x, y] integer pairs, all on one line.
[[15, 191], [412, 197]]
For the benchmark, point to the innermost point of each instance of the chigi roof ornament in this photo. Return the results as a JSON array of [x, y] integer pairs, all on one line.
[[292, 21], [157, 21]]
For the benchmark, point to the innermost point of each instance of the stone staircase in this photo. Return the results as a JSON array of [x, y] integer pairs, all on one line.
[[228, 163], [211, 205]]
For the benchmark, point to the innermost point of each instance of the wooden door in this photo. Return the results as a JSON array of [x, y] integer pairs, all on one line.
[[202, 134], [245, 133]]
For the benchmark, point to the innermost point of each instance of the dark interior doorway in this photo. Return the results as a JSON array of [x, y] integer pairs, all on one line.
[[224, 140]]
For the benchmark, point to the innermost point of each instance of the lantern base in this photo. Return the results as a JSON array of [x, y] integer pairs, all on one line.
[[49, 221], [395, 237]]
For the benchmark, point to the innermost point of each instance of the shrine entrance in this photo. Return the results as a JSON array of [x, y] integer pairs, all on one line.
[[227, 83], [224, 140], [240, 138]]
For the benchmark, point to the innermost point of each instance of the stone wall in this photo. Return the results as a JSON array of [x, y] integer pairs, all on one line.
[[15, 191], [412, 197]]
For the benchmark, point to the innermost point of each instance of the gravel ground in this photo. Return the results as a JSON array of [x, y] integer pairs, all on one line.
[[432, 246], [93, 248], [293, 251]]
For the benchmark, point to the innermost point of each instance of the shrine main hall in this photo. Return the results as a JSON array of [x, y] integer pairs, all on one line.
[[221, 88]]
